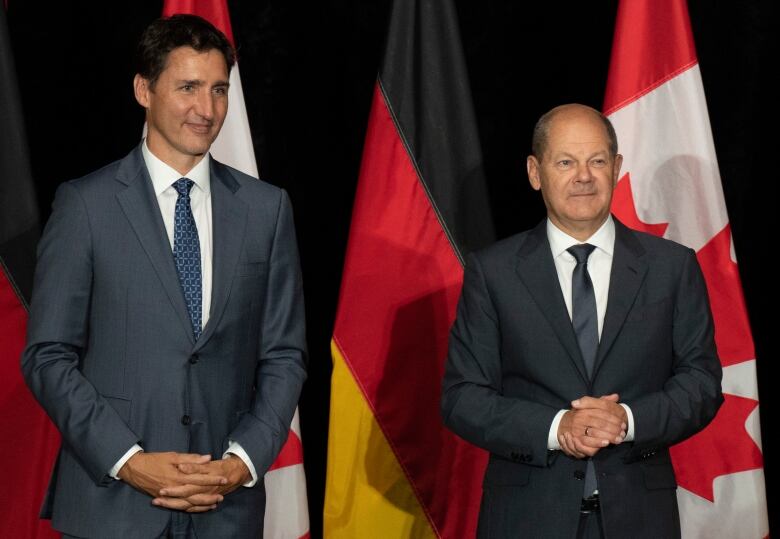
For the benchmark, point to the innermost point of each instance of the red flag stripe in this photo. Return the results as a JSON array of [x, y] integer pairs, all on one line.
[[651, 46], [215, 11], [21, 415]]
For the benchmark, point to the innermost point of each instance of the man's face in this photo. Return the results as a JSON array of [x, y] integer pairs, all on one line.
[[577, 173], [186, 108]]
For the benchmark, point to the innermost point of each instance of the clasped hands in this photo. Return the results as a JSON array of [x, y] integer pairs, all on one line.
[[184, 481], [592, 424]]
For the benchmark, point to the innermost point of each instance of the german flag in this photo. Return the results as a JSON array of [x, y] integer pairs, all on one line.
[[421, 206], [28, 440]]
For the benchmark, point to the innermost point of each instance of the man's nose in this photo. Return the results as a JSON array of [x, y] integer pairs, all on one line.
[[205, 105], [584, 173]]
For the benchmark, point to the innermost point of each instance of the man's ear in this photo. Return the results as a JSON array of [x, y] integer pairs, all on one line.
[[141, 90], [616, 169], [532, 166]]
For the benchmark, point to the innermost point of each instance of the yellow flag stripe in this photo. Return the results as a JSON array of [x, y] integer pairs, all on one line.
[[366, 491]]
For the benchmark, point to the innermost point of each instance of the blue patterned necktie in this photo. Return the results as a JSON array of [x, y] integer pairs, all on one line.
[[186, 253], [584, 318]]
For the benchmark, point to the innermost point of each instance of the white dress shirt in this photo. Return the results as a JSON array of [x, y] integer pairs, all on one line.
[[163, 177], [599, 269]]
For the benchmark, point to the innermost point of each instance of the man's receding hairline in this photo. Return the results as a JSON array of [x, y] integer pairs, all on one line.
[[541, 131]]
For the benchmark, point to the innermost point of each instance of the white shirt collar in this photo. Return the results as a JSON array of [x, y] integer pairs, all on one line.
[[163, 175], [603, 238]]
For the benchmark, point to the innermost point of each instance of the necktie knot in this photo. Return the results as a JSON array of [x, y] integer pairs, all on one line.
[[183, 186], [581, 252]]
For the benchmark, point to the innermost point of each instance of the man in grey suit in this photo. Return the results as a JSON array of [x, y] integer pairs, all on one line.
[[166, 336], [581, 351]]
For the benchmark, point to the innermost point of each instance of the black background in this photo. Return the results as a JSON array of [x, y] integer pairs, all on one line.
[[308, 71]]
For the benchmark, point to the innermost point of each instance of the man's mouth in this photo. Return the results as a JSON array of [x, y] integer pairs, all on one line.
[[201, 129]]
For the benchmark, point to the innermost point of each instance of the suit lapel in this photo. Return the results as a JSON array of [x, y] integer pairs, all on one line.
[[628, 272], [141, 209], [537, 271], [229, 216]]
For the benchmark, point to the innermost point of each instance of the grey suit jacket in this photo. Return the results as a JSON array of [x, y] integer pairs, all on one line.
[[111, 356], [514, 362]]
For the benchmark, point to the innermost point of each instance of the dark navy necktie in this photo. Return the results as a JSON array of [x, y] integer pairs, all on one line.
[[186, 253], [584, 318]]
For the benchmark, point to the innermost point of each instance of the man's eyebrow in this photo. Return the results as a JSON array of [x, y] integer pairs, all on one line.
[[190, 82], [564, 153], [199, 83]]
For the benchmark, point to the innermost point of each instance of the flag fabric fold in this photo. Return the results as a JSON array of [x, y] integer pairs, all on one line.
[[421, 205], [286, 510], [28, 440], [671, 187]]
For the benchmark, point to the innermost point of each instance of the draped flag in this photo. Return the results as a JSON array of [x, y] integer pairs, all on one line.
[[28, 440], [286, 510], [421, 205], [671, 187]]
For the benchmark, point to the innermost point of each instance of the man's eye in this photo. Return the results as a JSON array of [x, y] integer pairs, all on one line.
[[599, 162], [564, 163], [221, 90], [187, 87]]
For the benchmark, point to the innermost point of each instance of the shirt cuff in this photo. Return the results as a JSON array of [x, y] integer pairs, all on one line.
[[630, 430], [552, 437], [121, 462], [236, 449]]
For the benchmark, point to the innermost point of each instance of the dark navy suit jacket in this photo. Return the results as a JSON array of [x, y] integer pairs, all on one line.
[[111, 355], [514, 362]]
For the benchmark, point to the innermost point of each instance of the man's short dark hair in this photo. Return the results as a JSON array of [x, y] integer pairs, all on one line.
[[542, 131], [168, 33]]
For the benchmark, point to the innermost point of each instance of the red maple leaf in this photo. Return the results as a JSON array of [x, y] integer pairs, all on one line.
[[291, 453], [724, 447], [732, 329], [624, 209]]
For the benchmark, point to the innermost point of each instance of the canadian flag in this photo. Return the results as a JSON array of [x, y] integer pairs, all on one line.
[[671, 187], [286, 509]]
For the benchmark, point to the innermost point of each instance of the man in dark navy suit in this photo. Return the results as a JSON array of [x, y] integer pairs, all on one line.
[[166, 335], [581, 351]]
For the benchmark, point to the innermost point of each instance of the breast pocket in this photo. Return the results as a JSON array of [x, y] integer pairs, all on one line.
[[657, 310], [251, 279], [251, 269]]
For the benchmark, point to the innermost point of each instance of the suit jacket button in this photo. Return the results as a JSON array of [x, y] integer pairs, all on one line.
[[194, 359], [579, 475], [186, 420]]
